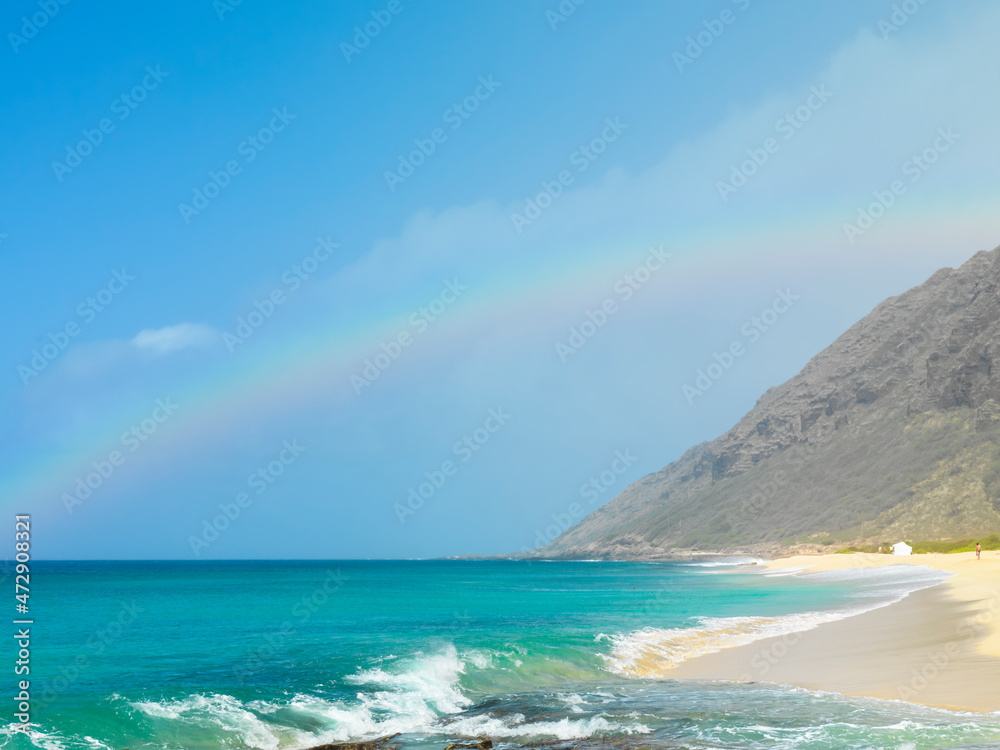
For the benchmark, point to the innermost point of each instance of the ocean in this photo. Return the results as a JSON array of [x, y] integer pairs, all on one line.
[[270, 655]]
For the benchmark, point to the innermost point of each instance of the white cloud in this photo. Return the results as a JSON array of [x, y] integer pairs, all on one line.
[[174, 338]]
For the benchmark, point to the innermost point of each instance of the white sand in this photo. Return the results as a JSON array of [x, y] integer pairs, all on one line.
[[937, 647]]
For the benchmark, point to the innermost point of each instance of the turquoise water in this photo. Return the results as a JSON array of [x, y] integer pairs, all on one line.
[[294, 654]]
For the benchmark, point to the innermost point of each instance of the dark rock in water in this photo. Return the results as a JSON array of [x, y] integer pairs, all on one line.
[[380, 743], [599, 743], [483, 744]]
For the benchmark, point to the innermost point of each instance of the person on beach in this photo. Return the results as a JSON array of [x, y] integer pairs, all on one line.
[[978, 549]]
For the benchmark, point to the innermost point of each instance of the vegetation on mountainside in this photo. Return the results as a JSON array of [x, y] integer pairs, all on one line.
[[895, 480], [991, 542]]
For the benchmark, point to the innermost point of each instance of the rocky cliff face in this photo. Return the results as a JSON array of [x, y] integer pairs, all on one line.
[[893, 429]]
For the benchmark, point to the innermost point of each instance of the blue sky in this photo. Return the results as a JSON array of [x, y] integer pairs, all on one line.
[[591, 206]]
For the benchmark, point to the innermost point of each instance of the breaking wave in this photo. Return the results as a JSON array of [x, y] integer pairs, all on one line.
[[653, 652]]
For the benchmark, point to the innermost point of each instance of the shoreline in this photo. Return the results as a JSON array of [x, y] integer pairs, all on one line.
[[939, 646]]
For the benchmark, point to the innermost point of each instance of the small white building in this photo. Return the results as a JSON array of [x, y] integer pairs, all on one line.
[[902, 548]]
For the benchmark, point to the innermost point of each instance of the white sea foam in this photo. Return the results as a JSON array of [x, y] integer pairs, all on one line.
[[563, 729], [48, 740], [420, 694], [412, 698], [653, 652], [727, 563], [220, 712], [574, 701], [786, 572], [429, 680]]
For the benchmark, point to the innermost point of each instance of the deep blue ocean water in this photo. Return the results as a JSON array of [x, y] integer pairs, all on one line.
[[295, 654]]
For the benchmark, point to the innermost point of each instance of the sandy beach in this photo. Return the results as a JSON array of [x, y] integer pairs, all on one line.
[[937, 647]]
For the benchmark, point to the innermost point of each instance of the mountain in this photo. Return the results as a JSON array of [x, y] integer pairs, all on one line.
[[892, 432]]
